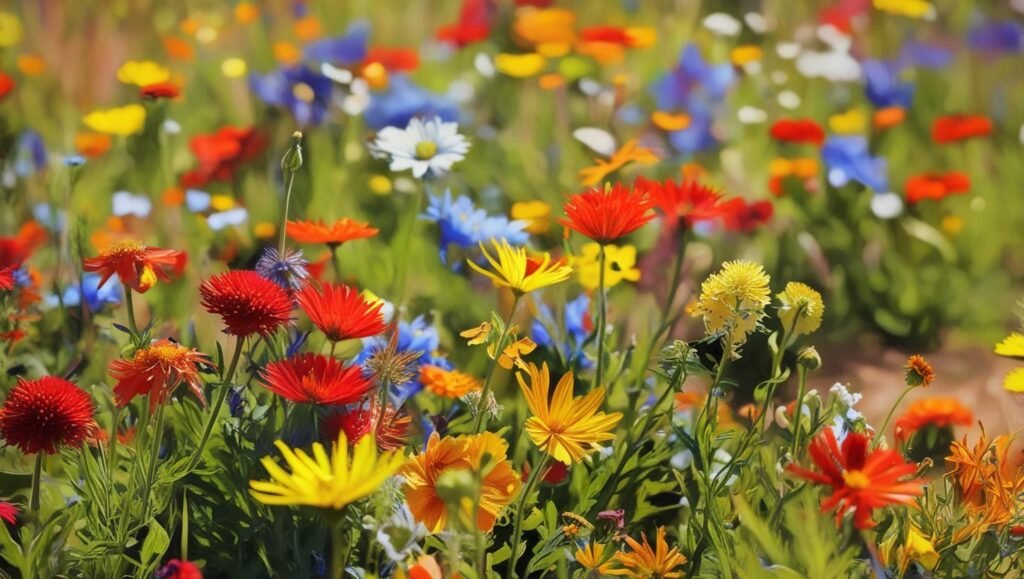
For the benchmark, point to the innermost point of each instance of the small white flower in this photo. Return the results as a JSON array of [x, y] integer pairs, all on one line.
[[428, 148]]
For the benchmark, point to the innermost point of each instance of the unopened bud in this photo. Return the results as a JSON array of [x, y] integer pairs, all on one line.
[[809, 359], [292, 159], [453, 485]]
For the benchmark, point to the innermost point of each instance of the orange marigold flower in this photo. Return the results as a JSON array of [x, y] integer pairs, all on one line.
[[92, 145], [136, 265], [246, 302], [919, 372], [952, 128], [447, 383], [988, 483], [316, 379], [862, 479], [45, 414], [335, 234], [938, 412], [157, 371], [606, 216], [340, 312], [936, 186], [642, 561]]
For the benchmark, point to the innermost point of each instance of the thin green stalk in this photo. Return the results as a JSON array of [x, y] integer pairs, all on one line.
[[798, 411], [405, 248], [339, 550], [154, 457], [481, 405], [284, 216], [112, 459], [531, 482], [677, 272], [602, 320], [888, 417], [222, 395], [37, 476], [335, 262], [130, 304]]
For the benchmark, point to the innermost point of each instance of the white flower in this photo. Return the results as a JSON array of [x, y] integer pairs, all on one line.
[[428, 148]]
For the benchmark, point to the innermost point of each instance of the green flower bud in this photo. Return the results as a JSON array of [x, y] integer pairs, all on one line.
[[809, 359], [292, 159]]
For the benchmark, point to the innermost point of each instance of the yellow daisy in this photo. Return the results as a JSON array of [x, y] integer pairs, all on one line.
[[122, 121], [732, 301], [1013, 347], [522, 274], [801, 309]]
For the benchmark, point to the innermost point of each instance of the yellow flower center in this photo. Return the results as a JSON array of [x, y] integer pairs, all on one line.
[[425, 150], [856, 479], [163, 352], [303, 92], [123, 247]]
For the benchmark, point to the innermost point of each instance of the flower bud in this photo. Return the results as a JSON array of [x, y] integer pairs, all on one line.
[[809, 359], [292, 159], [453, 485]]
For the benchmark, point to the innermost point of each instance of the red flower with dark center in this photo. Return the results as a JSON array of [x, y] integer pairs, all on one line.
[[738, 215], [222, 154], [6, 85], [340, 312], [160, 90], [6, 279], [9, 512], [177, 569], [393, 59], [136, 265], [798, 131], [335, 234], [606, 216], [45, 414], [473, 25], [316, 379], [952, 128], [687, 202], [157, 371], [389, 428], [936, 186], [246, 302], [862, 479]]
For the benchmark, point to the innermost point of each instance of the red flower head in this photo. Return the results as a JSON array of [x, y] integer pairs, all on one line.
[[246, 302], [221, 154], [9, 512], [160, 90], [157, 371], [316, 379], [335, 234], [6, 279], [936, 186], [393, 59], [688, 201], [952, 128], [609, 34], [177, 569], [389, 428], [473, 25], [136, 265], [862, 479], [6, 85], [937, 412], [798, 131], [738, 215], [340, 312], [43, 415], [606, 216], [14, 250]]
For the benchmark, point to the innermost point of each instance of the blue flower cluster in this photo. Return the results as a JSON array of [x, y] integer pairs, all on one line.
[[418, 337], [461, 223], [577, 326]]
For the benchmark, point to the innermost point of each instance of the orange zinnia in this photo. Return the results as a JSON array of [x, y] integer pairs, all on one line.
[[447, 383], [606, 216], [643, 561], [136, 265], [939, 412], [335, 234], [157, 371]]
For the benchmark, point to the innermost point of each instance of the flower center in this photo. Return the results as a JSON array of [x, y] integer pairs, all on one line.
[[303, 92], [425, 150], [123, 247], [856, 479]]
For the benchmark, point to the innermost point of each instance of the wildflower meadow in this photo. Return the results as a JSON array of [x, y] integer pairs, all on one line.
[[426, 289]]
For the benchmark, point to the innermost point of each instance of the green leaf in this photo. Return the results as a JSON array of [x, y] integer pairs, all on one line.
[[153, 548]]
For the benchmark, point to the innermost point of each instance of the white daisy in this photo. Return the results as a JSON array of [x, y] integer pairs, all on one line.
[[427, 147]]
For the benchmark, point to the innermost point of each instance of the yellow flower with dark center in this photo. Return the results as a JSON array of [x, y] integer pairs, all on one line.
[[801, 309], [566, 428], [644, 562], [328, 482], [522, 274], [619, 265], [732, 301], [142, 73], [122, 121], [447, 383]]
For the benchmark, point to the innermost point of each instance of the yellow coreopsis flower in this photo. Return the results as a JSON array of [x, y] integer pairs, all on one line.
[[629, 152], [520, 65], [11, 30], [911, 8], [732, 301], [328, 482], [801, 309], [619, 265], [1013, 347], [142, 73], [644, 562], [522, 274], [122, 121], [566, 428]]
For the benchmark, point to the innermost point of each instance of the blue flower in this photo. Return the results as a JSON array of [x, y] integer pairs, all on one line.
[[697, 136], [346, 50], [418, 337], [691, 79], [993, 37], [848, 159], [402, 101], [920, 54], [30, 154], [305, 93], [288, 271], [95, 296], [575, 318], [461, 223], [49, 217], [883, 85], [236, 401]]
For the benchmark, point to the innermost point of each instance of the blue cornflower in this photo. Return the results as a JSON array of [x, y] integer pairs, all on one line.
[[577, 325], [403, 100], [921, 54], [996, 37], [304, 92], [349, 49], [848, 159], [289, 271], [95, 296], [30, 154], [883, 85], [691, 79], [461, 223]]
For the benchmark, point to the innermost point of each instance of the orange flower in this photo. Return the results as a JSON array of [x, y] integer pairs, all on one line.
[[889, 117], [938, 412], [606, 216], [919, 372], [447, 383], [335, 234], [136, 265], [952, 128], [989, 484], [341, 312], [92, 145], [936, 186], [549, 30], [642, 561], [630, 152], [157, 371], [798, 131]]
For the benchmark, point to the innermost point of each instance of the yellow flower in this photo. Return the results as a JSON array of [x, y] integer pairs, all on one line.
[[745, 53], [1013, 347], [641, 36], [123, 121], [592, 558], [619, 265], [732, 301], [852, 121], [549, 30], [643, 562], [919, 549], [522, 274], [233, 67], [911, 8], [520, 65], [567, 428], [801, 309], [326, 482], [514, 352], [630, 152], [447, 383], [11, 31], [142, 73], [670, 122], [536, 213], [1014, 381]]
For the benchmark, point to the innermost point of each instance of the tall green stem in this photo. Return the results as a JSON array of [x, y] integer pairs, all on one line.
[[602, 320], [222, 395], [888, 417], [130, 304], [284, 216], [340, 548], [335, 262], [37, 476], [405, 248], [481, 405], [798, 412], [154, 457], [112, 459], [531, 482]]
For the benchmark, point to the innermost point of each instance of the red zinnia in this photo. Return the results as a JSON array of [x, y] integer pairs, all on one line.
[[798, 131], [136, 265], [178, 569], [738, 215], [473, 25], [389, 428], [160, 90], [340, 312], [246, 302], [157, 371], [689, 201], [316, 379], [393, 59], [936, 186], [606, 216], [335, 234], [43, 415], [6, 279], [6, 85], [9, 512], [951, 128], [221, 154], [861, 479]]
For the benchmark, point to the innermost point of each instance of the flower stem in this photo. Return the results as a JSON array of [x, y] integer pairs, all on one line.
[[888, 417], [602, 320], [130, 304], [284, 216], [339, 550], [335, 262], [531, 482], [37, 475], [154, 457], [798, 411], [404, 247], [112, 459], [481, 405], [222, 395]]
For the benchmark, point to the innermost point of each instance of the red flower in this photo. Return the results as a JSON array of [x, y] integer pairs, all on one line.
[[936, 186], [6, 279], [177, 569], [160, 90], [316, 379], [389, 428], [862, 479], [738, 215], [688, 201], [393, 59], [340, 312], [473, 24], [798, 131], [938, 412], [6, 85], [335, 234], [951, 128], [157, 371], [246, 302], [43, 415], [221, 154], [9, 512], [609, 34], [14, 250], [606, 216], [136, 265]]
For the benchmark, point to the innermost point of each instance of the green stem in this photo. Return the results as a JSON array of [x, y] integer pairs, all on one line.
[[602, 321], [222, 395], [154, 457], [130, 304], [405, 248], [888, 417], [531, 482], [335, 262], [798, 411], [339, 548], [37, 476], [112, 459], [677, 272], [284, 216], [481, 405]]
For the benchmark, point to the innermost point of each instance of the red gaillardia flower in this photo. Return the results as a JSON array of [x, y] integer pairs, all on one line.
[[936, 186], [340, 312], [389, 428], [335, 234], [246, 302], [862, 479], [952, 128], [798, 131], [607, 215], [157, 371], [160, 90], [45, 414], [739, 215], [687, 202], [316, 379], [9, 512], [137, 266], [222, 154]]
